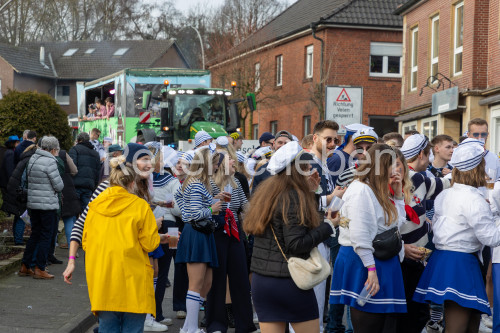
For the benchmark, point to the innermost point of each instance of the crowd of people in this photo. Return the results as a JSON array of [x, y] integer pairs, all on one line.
[[384, 234]]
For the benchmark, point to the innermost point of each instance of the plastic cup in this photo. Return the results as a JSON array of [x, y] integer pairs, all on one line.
[[172, 241], [228, 189], [214, 201], [363, 297], [335, 204], [169, 199]]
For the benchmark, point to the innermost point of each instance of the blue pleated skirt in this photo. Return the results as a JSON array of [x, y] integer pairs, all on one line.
[[349, 277], [158, 253], [196, 247], [453, 276]]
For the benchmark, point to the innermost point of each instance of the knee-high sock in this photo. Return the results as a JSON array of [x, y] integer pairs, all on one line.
[[193, 308], [150, 316]]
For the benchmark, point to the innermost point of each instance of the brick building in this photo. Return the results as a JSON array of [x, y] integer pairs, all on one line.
[[356, 43], [451, 53], [55, 67]]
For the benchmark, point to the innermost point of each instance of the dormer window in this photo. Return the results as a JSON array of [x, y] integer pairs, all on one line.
[[69, 52], [120, 52], [89, 51]]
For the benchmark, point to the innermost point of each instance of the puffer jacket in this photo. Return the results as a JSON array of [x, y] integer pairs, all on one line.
[[10, 203], [295, 240], [89, 165], [44, 181]]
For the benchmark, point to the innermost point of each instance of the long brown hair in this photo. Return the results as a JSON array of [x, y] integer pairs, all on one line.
[[475, 177], [376, 175], [275, 194], [222, 177], [407, 183]]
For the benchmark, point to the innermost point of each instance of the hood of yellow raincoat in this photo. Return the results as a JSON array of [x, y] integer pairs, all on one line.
[[113, 201]]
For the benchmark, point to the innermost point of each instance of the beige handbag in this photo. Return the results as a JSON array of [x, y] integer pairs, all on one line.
[[306, 273]]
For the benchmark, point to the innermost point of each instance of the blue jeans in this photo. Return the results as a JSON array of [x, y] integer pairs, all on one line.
[[18, 230], [69, 222], [84, 195], [121, 322]]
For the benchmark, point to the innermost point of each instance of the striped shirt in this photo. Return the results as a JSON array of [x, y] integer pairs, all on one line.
[[238, 198], [346, 177], [77, 231], [195, 202]]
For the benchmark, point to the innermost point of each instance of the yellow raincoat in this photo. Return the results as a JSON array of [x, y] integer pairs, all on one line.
[[119, 231]]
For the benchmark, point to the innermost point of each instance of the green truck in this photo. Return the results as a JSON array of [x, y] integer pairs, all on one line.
[[167, 104]]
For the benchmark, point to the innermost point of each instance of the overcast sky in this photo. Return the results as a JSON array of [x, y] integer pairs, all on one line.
[[184, 5]]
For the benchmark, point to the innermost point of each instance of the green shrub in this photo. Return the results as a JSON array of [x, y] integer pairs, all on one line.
[[35, 111]]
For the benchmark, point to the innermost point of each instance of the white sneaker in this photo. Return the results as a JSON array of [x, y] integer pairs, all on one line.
[[181, 315], [433, 327], [483, 328], [150, 325], [255, 318], [200, 330], [487, 320], [166, 321]]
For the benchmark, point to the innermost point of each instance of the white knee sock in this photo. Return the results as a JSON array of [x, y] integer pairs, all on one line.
[[201, 301], [193, 308], [149, 316]]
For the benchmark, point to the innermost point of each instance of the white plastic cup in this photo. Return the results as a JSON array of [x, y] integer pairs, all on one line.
[[169, 199], [335, 204], [363, 297], [172, 242]]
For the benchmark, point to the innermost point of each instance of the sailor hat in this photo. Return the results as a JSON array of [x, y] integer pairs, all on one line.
[[222, 141], [263, 152], [285, 156], [170, 157], [413, 145], [471, 140], [241, 157], [467, 156], [365, 135], [201, 137]]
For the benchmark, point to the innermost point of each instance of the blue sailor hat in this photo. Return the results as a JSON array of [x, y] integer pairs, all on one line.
[[201, 137], [413, 145]]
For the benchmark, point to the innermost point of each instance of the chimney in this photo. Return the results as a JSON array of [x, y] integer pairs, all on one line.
[[42, 57]]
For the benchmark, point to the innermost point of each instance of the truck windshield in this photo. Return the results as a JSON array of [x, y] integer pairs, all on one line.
[[191, 108]]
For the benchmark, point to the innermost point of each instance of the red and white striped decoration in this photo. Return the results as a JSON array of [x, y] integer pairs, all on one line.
[[144, 117]]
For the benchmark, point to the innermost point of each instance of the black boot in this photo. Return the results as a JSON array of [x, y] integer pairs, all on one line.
[[230, 315], [53, 260]]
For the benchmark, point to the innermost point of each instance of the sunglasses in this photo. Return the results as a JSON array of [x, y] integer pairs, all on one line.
[[329, 139], [482, 135]]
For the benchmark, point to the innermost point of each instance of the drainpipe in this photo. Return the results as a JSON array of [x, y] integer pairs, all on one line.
[[55, 74], [313, 26]]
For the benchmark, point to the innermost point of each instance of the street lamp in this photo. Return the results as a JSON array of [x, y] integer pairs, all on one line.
[[201, 45]]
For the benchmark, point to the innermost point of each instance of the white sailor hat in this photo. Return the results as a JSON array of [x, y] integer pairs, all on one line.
[[241, 157], [467, 156], [413, 145], [170, 157], [201, 137], [222, 141], [365, 135], [186, 155], [286, 155], [262, 152], [357, 127], [471, 140]]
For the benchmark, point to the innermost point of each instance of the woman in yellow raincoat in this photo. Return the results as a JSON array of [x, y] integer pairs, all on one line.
[[120, 230]]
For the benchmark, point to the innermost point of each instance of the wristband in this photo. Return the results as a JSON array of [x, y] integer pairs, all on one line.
[[371, 269], [72, 257], [211, 211]]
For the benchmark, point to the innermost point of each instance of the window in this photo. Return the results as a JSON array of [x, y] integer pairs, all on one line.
[[89, 51], [62, 95], [458, 38], [279, 70], [309, 61], [69, 52], [120, 52], [414, 58], [307, 125], [274, 127], [385, 59], [429, 127], [411, 126], [434, 45], [255, 134], [257, 76]]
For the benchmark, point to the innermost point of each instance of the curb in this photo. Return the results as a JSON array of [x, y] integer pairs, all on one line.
[[7, 266], [79, 324]]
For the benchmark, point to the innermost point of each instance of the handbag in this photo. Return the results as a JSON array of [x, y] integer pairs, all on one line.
[[387, 244], [306, 273], [206, 225]]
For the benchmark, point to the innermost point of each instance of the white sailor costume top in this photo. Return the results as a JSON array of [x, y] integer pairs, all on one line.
[[463, 220]]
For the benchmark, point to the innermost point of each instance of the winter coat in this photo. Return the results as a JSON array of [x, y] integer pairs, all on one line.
[[88, 163], [10, 204], [71, 204], [120, 230], [295, 240], [18, 151], [44, 181], [7, 168]]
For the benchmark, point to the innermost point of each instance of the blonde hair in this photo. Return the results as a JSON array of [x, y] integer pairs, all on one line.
[[201, 168], [222, 176], [407, 183], [121, 174]]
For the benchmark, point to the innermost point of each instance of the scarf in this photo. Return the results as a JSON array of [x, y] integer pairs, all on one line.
[[411, 215], [230, 228]]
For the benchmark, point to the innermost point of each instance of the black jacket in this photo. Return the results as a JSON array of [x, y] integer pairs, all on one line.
[[10, 204], [88, 163], [294, 239], [7, 168], [70, 202], [20, 149]]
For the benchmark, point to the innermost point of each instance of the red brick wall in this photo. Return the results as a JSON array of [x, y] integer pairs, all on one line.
[[494, 44], [347, 60], [475, 47]]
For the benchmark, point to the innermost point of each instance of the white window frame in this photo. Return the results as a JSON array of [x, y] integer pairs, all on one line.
[[274, 127], [255, 129], [459, 49], [411, 124], [414, 58], [69, 52], [434, 57], [309, 61], [279, 70], [257, 76], [307, 125], [61, 99], [429, 120], [385, 60], [121, 51]]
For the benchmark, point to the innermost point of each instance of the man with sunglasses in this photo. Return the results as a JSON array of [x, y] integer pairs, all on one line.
[[478, 129]]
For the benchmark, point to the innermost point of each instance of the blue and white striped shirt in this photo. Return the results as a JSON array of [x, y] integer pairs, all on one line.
[[195, 202], [238, 198]]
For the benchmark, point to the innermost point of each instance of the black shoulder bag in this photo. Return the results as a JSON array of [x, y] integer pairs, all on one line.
[[387, 244]]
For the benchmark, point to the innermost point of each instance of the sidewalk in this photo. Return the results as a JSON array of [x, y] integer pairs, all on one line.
[[33, 305]]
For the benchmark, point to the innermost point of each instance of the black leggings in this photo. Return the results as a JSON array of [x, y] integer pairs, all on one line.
[[367, 322]]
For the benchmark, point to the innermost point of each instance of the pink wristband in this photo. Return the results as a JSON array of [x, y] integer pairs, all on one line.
[[72, 257], [371, 269]]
